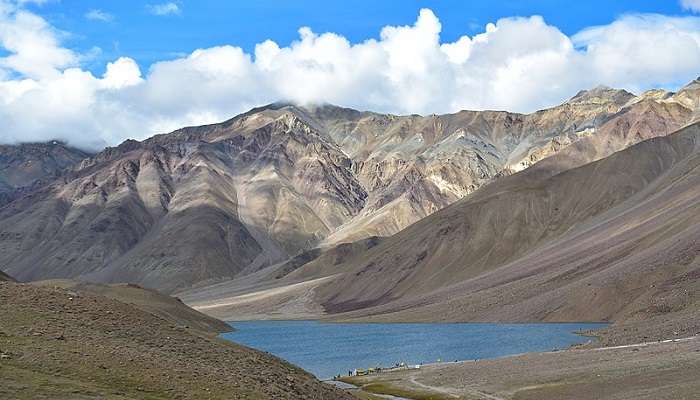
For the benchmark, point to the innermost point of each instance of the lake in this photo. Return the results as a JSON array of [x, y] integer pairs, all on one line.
[[328, 349]]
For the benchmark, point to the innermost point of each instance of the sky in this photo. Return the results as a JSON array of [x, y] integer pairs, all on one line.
[[94, 73], [132, 31]]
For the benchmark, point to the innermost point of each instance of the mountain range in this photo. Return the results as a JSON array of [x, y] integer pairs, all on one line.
[[613, 240], [323, 210]]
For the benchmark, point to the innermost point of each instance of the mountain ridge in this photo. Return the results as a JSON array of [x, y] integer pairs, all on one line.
[[282, 179]]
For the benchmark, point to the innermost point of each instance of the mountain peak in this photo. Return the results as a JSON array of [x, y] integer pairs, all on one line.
[[689, 95], [601, 94], [692, 85]]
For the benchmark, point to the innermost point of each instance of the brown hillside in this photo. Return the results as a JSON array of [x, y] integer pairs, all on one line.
[[59, 345]]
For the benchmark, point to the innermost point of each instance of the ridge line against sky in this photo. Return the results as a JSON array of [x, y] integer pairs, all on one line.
[[49, 90]]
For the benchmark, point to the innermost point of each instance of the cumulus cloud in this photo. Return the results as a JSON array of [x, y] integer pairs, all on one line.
[[164, 9], [642, 49], [32, 44], [518, 64], [122, 73], [99, 15]]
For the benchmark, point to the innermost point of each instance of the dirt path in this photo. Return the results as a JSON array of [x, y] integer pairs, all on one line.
[[643, 344], [442, 390], [455, 393]]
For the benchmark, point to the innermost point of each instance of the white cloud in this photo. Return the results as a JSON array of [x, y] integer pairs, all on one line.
[[519, 64], [99, 15], [693, 5], [122, 73], [32, 44], [164, 9], [639, 50]]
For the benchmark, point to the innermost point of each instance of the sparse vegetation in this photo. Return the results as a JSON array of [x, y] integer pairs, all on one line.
[[58, 344]]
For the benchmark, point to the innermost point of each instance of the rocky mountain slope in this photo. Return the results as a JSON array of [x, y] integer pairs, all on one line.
[[28, 165], [60, 344], [613, 240], [210, 203], [5, 277]]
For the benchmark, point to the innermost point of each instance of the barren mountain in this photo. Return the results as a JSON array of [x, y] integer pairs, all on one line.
[[210, 203], [613, 240], [197, 204], [27, 165]]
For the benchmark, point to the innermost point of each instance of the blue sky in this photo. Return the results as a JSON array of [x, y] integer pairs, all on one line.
[[94, 73], [135, 32]]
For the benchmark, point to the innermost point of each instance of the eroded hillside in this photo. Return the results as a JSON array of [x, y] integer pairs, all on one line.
[[210, 203]]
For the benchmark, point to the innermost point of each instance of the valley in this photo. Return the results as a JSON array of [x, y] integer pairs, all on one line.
[[374, 200], [583, 212], [528, 247]]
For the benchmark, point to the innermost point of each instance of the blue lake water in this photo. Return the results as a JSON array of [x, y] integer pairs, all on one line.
[[327, 349]]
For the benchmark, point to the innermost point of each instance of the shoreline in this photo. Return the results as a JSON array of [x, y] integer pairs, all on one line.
[[543, 375]]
